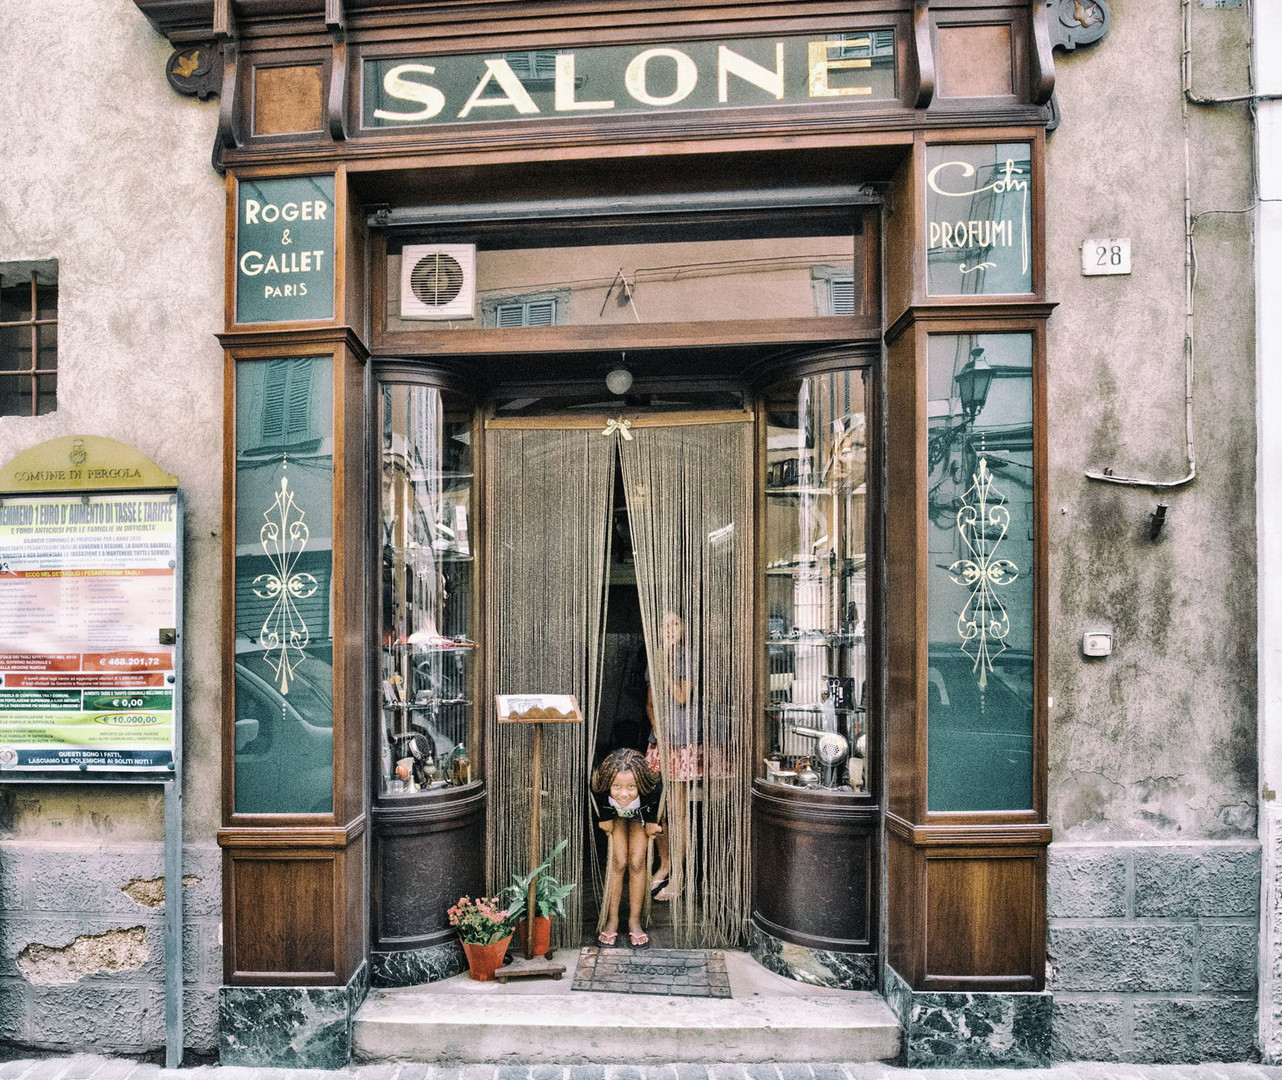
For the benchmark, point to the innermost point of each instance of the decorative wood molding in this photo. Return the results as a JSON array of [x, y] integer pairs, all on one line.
[[295, 337], [969, 835], [1077, 22], [981, 307], [925, 53], [283, 838], [1041, 76]]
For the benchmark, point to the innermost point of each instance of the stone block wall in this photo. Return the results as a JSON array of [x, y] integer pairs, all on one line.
[[1153, 950], [82, 946]]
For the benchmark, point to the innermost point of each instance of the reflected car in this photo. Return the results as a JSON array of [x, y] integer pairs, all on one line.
[[981, 737], [284, 742]]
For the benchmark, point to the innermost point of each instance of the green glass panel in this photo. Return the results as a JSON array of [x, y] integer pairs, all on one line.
[[979, 219], [284, 556], [285, 249], [980, 583]]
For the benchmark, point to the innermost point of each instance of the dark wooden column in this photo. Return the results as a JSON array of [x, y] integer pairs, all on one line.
[[295, 880], [965, 891]]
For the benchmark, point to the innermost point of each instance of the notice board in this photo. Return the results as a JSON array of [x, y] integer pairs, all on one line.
[[89, 615]]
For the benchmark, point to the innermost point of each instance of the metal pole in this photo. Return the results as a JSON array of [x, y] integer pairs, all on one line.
[[537, 797], [173, 924]]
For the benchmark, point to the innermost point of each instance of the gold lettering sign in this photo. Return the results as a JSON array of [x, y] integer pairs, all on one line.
[[819, 68]]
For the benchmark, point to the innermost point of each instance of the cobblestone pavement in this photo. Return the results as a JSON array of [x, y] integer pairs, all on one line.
[[94, 1067]]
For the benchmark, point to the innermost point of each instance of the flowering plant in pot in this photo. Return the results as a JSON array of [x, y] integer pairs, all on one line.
[[485, 928], [549, 900]]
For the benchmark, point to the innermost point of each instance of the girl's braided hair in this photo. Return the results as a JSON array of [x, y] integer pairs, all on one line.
[[624, 760]]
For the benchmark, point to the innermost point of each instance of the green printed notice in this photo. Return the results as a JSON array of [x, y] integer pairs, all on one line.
[[88, 593]]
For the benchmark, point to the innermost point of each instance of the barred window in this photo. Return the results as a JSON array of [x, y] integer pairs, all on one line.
[[28, 338]]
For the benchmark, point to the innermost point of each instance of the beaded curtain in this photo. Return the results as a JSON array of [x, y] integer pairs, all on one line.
[[689, 494], [549, 509]]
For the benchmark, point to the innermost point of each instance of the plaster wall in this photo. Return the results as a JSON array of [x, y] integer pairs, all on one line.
[[106, 169], [1157, 742], [1268, 221]]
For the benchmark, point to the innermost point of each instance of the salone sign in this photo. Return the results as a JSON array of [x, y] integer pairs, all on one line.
[[613, 79]]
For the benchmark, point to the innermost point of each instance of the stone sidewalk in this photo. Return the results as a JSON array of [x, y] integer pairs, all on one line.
[[93, 1067]]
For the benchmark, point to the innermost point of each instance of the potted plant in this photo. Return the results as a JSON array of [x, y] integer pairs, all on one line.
[[485, 928], [549, 900]]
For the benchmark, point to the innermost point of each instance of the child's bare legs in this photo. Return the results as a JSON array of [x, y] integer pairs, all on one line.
[[672, 862], [638, 882], [664, 870], [617, 832]]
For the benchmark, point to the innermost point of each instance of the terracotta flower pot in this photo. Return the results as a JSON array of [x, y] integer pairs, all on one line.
[[484, 960], [542, 934]]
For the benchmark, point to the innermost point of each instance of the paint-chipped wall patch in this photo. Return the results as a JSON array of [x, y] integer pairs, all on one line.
[[89, 954], [150, 892]]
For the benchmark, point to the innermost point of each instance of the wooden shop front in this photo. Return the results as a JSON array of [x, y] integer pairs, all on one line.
[[808, 236]]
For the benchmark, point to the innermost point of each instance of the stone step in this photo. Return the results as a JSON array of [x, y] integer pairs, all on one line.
[[767, 1019]]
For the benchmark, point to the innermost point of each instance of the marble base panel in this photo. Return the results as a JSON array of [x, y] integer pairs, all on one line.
[[290, 1027], [817, 967], [970, 1030], [411, 967]]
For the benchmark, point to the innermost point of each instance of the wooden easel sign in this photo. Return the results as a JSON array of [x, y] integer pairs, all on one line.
[[538, 709]]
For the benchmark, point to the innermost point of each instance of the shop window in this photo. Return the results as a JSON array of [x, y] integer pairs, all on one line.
[[656, 269], [284, 697], [980, 601], [429, 669], [816, 587], [28, 338]]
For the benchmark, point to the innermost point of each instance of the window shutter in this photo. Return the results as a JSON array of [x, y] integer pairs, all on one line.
[[841, 295]]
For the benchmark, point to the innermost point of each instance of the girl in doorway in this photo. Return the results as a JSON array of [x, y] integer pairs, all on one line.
[[627, 794]]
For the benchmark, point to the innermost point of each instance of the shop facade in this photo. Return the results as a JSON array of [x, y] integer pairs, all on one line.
[[761, 348]]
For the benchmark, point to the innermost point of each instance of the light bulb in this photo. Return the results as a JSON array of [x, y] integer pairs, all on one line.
[[619, 381]]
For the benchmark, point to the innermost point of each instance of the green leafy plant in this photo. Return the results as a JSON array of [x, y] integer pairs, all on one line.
[[482, 921], [549, 894]]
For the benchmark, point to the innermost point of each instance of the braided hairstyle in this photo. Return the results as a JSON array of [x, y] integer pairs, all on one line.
[[624, 760]]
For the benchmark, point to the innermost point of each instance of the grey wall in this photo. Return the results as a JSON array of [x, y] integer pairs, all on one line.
[[1157, 741], [1154, 875], [106, 169]]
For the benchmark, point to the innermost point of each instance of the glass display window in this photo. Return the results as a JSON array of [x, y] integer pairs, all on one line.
[[815, 528], [428, 660]]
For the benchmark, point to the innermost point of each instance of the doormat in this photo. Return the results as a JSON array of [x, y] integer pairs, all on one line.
[[680, 972]]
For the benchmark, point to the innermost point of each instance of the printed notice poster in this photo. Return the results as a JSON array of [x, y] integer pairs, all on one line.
[[87, 593]]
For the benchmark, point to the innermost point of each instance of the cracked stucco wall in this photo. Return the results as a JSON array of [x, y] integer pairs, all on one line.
[[108, 172], [1159, 740], [1153, 901]]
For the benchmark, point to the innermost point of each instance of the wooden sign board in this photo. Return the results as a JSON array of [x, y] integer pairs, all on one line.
[[538, 709]]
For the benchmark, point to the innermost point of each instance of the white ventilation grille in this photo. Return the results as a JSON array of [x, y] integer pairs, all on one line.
[[438, 281]]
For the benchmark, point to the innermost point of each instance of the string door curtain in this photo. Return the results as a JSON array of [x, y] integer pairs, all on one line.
[[549, 511], [690, 510]]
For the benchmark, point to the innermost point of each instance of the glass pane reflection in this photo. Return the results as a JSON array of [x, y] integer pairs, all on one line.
[[980, 584]]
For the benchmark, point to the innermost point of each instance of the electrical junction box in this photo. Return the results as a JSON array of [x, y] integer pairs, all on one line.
[[1097, 643]]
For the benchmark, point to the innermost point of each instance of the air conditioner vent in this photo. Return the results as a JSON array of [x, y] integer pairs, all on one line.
[[438, 281]]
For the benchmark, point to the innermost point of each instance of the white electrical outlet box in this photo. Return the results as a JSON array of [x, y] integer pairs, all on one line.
[[1106, 255], [1097, 643]]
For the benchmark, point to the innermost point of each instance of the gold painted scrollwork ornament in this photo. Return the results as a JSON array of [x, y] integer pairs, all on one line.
[[196, 70], [1078, 22]]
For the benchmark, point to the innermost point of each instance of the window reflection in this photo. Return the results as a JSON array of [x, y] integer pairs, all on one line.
[[980, 585], [802, 266]]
